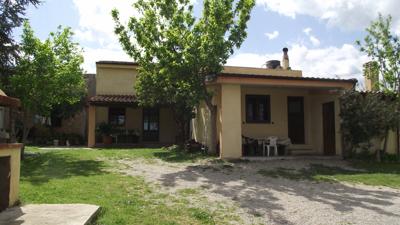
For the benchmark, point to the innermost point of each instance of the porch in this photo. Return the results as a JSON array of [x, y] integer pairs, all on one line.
[[131, 125], [302, 110]]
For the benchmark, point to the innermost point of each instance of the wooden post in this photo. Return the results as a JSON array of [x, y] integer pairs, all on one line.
[[91, 126]]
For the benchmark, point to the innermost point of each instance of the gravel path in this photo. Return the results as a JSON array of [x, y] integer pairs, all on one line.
[[268, 200]]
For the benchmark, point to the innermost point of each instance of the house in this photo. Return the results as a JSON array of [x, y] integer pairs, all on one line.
[[115, 103], [251, 102]]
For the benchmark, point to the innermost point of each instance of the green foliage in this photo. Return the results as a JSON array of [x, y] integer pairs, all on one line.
[[105, 129], [48, 73], [12, 15], [367, 116], [384, 48], [369, 173], [176, 51], [71, 176]]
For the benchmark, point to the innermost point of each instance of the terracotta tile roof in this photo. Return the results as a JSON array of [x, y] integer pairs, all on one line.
[[9, 101], [285, 77], [104, 99], [117, 63]]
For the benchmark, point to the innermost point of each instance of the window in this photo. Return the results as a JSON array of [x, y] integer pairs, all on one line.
[[116, 116], [258, 109]]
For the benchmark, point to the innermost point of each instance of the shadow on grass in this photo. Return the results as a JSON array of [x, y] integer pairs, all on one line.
[[176, 155], [311, 173], [318, 172], [44, 167]]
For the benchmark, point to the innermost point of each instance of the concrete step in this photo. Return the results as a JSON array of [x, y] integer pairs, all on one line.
[[301, 150], [49, 214]]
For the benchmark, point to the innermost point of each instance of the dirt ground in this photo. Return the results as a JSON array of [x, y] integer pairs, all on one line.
[[260, 199]]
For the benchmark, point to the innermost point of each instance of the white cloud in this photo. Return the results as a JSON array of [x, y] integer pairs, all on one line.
[[307, 30], [314, 40], [343, 62], [92, 55], [96, 28], [349, 14], [272, 35]]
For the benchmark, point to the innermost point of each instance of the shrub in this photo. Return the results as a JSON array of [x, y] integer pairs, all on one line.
[[366, 116]]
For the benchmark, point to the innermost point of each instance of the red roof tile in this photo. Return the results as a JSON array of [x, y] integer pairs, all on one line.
[[102, 99]]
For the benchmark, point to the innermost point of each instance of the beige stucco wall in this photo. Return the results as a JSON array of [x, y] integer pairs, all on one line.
[[391, 147], [168, 128], [115, 80], [392, 143], [101, 114], [15, 152], [134, 120], [317, 125], [231, 129], [262, 71], [279, 120], [201, 124]]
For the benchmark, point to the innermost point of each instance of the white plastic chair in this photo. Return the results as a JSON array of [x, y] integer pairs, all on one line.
[[272, 143]]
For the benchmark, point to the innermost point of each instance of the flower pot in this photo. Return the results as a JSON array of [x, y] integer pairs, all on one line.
[[107, 140]]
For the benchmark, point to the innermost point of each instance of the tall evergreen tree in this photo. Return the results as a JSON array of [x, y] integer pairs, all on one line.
[[12, 14]]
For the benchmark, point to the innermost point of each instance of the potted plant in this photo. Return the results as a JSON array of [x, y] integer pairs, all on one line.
[[105, 131]]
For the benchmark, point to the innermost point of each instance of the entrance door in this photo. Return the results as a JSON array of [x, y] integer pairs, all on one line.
[[328, 123], [296, 119], [4, 182], [151, 124]]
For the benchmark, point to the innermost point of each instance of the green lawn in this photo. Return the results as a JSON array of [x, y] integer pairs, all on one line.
[[81, 176], [369, 173]]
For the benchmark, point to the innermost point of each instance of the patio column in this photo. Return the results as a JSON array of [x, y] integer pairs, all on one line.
[[91, 126], [231, 121]]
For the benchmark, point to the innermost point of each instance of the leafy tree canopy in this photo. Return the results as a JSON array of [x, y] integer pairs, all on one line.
[[177, 52], [367, 116], [384, 48], [48, 73], [11, 16]]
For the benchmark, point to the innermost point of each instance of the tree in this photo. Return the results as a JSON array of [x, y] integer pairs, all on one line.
[[47, 74], [11, 16], [178, 52], [367, 116], [384, 48]]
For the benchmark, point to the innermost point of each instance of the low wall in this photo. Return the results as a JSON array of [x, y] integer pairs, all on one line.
[[14, 151]]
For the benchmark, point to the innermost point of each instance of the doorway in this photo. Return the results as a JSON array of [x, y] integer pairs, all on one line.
[[295, 107], [328, 127], [151, 124], [5, 172]]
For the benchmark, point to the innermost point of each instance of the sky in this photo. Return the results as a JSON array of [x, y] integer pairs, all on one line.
[[320, 35]]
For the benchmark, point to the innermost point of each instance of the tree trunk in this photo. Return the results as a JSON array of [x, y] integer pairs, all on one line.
[[181, 123], [26, 127], [385, 140]]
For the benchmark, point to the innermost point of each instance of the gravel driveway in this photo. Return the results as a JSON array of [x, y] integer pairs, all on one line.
[[266, 200]]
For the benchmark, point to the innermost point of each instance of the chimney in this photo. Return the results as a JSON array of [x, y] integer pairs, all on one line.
[[371, 76], [285, 59]]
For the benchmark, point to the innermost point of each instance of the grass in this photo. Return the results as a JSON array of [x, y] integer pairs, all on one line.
[[369, 173], [78, 176]]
